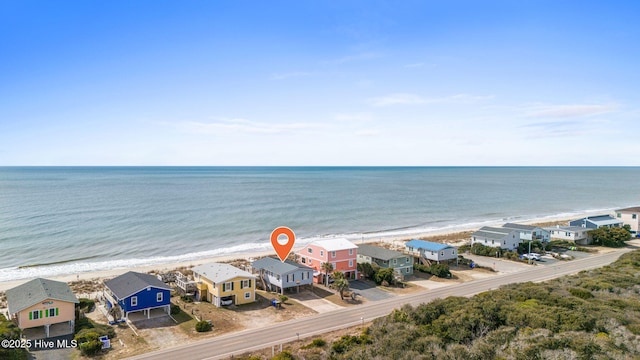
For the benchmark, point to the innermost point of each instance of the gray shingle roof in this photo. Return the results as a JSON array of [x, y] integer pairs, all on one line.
[[38, 290], [630, 209], [220, 272], [278, 267], [131, 282], [519, 226], [378, 252], [492, 232]]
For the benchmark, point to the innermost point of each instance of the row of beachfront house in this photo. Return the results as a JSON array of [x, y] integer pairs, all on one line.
[[48, 306]]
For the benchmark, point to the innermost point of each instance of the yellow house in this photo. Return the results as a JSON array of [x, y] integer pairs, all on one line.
[[42, 304], [223, 284]]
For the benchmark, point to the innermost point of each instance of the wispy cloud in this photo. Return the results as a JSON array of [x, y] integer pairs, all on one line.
[[565, 128], [288, 75], [405, 98], [368, 132], [355, 57], [356, 117], [574, 110], [245, 126]]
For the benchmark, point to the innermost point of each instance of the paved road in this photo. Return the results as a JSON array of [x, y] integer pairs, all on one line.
[[224, 346]]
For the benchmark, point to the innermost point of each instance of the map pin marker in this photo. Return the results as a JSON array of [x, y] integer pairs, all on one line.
[[282, 250]]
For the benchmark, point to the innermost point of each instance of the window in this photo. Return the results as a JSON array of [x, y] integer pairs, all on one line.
[[350, 263], [245, 284], [333, 265], [289, 277], [310, 261], [305, 275], [134, 301], [350, 251], [53, 312], [634, 216], [441, 253], [159, 297], [406, 270], [228, 286], [34, 315], [321, 252], [492, 242], [247, 295], [406, 259], [618, 215], [395, 261], [333, 254], [310, 250], [304, 260]]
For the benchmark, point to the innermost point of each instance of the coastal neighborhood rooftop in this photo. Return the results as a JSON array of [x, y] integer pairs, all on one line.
[[217, 272], [276, 266], [492, 232], [519, 226], [132, 282], [378, 252], [426, 245], [35, 291], [335, 244]]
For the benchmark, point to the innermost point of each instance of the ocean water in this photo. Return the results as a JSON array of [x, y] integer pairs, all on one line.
[[61, 220]]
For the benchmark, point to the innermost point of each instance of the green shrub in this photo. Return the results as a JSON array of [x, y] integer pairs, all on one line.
[[318, 343], [386, 274], [203, 326], [440, 270], [283, 298], [285, 355], [86, 304], [581, 293], [90, 348]]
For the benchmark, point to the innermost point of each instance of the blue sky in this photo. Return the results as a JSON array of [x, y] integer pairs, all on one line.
[[319, 83]]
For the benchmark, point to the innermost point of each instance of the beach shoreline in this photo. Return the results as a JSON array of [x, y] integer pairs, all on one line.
[[100, 275]]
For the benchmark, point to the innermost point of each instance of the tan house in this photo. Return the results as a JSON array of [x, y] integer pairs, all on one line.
[[630, 216], [42, 304], [223, 284]]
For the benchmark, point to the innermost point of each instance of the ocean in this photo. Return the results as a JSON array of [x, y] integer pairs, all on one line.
[[65, 220]]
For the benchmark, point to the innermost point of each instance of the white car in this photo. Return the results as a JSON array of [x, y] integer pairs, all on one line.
[[532, 256]]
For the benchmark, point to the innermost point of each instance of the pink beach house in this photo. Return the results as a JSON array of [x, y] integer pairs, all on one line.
[[341, 253]]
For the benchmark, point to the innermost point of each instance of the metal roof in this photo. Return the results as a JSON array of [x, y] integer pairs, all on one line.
[[132, 282], [278, 267], [426, 245], [519, 226], [493, 232], [38, 290], [335, 244], [378, 252], [567, 228], [217, 272]]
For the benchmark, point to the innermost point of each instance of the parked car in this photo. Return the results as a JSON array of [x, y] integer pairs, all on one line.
[[226, 301], [532, 256]]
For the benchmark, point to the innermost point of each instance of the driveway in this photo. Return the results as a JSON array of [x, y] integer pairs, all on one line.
[[314, 302], [369, 291]]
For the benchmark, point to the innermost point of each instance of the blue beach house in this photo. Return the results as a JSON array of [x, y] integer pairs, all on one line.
[[431, 251], [133, 292]]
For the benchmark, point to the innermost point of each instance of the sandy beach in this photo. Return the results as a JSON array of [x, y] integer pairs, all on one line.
[[445, 234]]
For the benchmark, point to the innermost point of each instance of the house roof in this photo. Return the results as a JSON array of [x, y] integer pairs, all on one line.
[[493, 232], [217, 272], [519, 226], [335, 244], [37, 290], [567, 228], [132, 282], [378, 252], [603, 220], [426, 245], [634, 209], [278, 267]]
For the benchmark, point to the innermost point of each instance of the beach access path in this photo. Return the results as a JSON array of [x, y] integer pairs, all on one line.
[[281, 333]]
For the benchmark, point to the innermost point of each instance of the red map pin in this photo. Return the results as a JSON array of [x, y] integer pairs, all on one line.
[[281, 249]]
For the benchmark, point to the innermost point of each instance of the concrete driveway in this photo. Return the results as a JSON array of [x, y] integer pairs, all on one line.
[[369, 291], [315, 302]]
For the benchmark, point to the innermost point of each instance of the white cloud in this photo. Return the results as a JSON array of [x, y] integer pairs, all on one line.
[[293, 74], [405, 98], [245, 126], [569, 111], [368, 132]]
